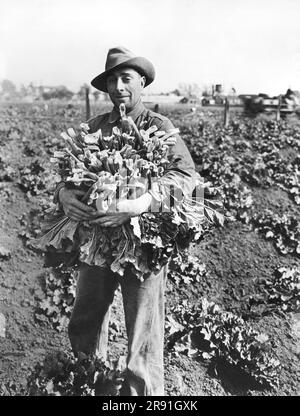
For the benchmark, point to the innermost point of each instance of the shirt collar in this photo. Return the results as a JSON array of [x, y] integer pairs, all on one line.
[[114, 115]]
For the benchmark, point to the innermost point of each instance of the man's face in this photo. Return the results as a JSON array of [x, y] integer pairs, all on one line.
[[125, 85]]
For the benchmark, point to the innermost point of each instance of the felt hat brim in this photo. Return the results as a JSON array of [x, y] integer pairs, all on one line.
[[140, 64]]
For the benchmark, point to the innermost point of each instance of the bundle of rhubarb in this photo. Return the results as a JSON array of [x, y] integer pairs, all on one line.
[[125, 165]]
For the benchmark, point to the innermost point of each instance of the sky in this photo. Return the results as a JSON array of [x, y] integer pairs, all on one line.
[[251, 45]]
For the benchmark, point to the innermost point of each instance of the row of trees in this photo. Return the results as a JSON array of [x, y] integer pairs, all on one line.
[[9, 91], [61, 92]]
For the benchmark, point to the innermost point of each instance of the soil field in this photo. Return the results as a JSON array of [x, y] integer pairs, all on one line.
[[255, 162]]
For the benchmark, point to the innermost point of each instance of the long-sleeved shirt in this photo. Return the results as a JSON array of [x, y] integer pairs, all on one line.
[[182, 171]]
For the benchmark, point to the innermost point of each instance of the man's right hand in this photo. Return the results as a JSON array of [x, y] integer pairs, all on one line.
[[73, 208]]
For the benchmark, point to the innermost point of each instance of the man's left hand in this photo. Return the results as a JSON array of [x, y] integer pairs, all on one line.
[[125, 209]]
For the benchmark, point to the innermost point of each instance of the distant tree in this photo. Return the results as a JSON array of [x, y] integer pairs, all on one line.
[[47, 95], [31, 88], [8, 87], [175, 92], [189, 90], [82, 91], [206, 91], [64, 92], [23, 91], [96, 95], [60, 92]]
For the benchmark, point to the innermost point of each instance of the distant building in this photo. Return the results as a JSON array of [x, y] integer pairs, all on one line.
[[192, 99], [161, 98]]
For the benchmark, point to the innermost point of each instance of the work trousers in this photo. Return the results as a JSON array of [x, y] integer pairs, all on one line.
[[144, 318]]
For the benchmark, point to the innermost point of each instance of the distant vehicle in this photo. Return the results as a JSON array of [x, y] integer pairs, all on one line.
[[255, 103], [271, 104], [261, 103]]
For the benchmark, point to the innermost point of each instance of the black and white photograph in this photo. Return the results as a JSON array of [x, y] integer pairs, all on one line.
[[149, 201]]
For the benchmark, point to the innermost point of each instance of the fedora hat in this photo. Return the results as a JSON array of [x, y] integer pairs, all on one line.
[[121, 57]]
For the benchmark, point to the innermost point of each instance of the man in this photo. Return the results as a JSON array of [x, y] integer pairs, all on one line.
[[124, 79]]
